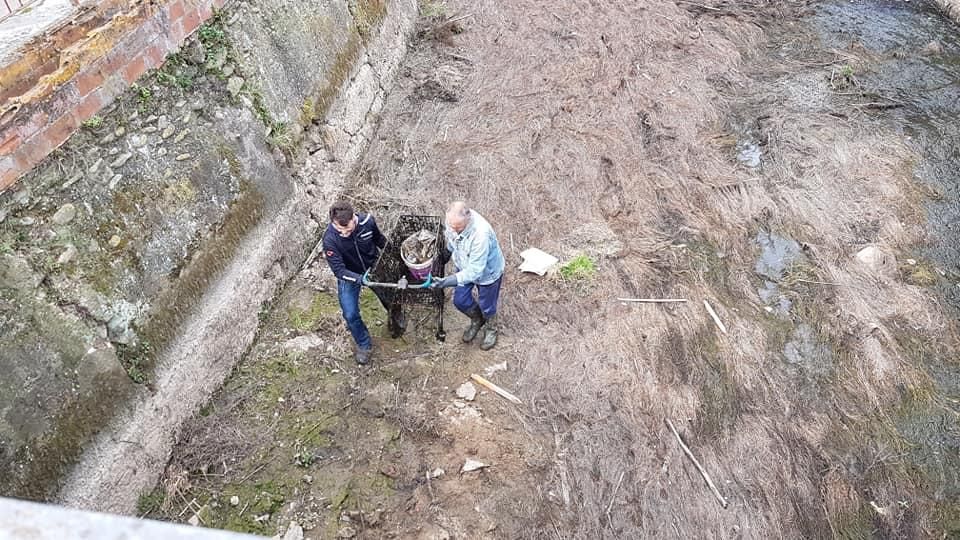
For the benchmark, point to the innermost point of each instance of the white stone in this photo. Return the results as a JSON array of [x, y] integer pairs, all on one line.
[[473, 465], [68, 255], [65, 214], [294, 532], [234, 501], [303, 343], [437, 473], [877, 261], [467, 391]]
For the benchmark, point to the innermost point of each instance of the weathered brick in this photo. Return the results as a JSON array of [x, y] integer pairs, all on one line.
[[59, 131], [155, 54], [8, 173], [9, 142], [88, 80], [29, 122], [205, 9], [191, 20], [63, 100], [175, 35], [174, 10], [134, 69], [90, 106]]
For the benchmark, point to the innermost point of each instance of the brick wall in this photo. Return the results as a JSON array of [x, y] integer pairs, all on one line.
[[93, 69]]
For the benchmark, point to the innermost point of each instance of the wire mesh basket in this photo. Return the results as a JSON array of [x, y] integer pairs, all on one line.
[[390, 267]]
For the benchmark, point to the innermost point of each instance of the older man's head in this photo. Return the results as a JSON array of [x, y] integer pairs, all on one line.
[[458, 216]]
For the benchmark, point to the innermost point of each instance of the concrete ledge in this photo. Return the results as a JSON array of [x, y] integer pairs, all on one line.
[[21, 520]]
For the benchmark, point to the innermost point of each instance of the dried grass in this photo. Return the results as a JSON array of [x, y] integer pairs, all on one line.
[[607, 127]]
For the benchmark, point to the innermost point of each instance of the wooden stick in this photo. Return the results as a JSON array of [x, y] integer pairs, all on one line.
[[652, 300], [716, 319], [723, 502], [499, 391], [614, 496]]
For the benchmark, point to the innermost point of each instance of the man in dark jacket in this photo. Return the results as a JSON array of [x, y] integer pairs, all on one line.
[[351, 245]]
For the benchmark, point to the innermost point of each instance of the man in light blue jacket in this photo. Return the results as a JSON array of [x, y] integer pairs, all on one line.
[[476, 254]]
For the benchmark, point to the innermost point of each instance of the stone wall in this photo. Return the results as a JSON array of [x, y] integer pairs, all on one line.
[[66, 77], [135, 259]]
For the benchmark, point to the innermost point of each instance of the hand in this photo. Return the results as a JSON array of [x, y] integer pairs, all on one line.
[[449, 281], [365, 278]]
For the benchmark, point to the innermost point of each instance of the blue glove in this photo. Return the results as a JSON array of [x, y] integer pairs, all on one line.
[[365, 278], [449, 281]]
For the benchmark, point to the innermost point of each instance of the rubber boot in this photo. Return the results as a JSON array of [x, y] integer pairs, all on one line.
[[476, 322], [397, 324], [489, 333], [363, 356]]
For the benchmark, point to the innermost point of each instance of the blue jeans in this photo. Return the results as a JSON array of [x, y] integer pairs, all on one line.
[[487, 297], [349, 296]]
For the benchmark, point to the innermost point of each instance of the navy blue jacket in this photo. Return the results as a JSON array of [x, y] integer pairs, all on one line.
[[350, 257]]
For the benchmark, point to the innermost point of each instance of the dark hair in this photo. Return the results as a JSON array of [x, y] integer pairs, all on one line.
[[341, 212]]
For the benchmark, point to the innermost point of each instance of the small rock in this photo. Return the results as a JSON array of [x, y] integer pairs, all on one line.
[[180, 136], [194, 520], [119, 131], [168, 132], [187, 118], [114, 241], [3, 215], [346, 532], [76, 178], [151, 129], [161, 152], [490, 370], [459, 404], [437, 473], [183, 157], [228, 70], [467, 391], [138, 140], [121, 160], [694, 35], [180, 103], [134, 115], [307, 479], [197, 105], [234, 84], [68, 255], [27, 221], [113, 151], [932, 49], [877, 260], [93, 246], [195, 53], [294, 532], [109, 138], [96, 166], [912, 262], [22, 197], [65, 214], [114, 181], [473, 465], [234, 501], [150, 119], [163, 122]]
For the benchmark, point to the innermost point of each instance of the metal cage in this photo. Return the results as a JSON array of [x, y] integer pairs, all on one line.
[[390, 267]]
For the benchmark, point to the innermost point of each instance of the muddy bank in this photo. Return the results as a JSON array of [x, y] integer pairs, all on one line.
[[745, 155]]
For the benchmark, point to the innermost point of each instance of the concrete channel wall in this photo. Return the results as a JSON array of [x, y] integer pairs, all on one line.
[[136, 258]]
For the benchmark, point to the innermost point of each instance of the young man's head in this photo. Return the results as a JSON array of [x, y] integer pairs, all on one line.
[[343, 218], [458, 216]]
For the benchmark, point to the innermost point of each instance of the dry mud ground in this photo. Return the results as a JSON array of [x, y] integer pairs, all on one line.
[[623, 130]]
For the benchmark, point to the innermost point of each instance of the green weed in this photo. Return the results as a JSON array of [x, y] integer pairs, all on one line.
[[581, 267]]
